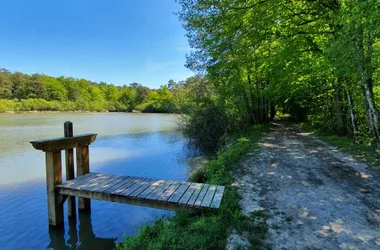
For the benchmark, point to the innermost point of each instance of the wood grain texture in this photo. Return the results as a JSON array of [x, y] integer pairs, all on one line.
[[195, 195], [144, 192], [83, 167], [69, 159], [63, 143], [124, 181], [206, 202], [150, 189], [159, 190], [217, 197], [201, 195], [54, 178], [142, 188], [179, 192], [189, 192], [169, 191]]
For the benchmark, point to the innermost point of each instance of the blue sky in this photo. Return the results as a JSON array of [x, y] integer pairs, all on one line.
[[116, 41]]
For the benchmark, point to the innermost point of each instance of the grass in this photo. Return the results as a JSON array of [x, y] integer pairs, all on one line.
[[208, 229], [361, 152]]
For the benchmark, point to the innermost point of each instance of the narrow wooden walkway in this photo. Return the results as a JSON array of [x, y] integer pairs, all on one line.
[[143, 191], [108, 187]]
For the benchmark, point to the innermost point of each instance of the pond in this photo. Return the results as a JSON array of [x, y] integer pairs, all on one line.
[[145, 145]]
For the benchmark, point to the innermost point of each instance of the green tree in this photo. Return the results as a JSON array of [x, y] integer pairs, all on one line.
[[5, 84]]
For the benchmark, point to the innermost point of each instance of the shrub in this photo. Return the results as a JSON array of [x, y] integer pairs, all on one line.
[[7, 105]]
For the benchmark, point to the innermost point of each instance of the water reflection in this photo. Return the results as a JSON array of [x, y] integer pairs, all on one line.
[[158, 150], [80, 235]]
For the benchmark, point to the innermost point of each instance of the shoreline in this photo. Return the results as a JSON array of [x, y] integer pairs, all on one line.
[[79, 111]]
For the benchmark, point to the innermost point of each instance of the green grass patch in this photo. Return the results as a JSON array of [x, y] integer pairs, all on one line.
[[359, 151], [208, 229]]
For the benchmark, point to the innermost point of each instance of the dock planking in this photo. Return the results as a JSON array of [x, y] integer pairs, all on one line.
[[202, 194], [179, 192], [169, 191], [138, 191], [195, 194], [143, 191], [159, 190], [189, 192]]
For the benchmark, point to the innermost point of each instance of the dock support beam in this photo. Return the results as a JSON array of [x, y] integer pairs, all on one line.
[[53, 178], [83, 167], [53, 149], [69, 154]]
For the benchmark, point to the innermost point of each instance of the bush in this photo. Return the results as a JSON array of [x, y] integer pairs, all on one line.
[[207, 229], [7, 105], [205, 125], [199, 175], [161, 106]]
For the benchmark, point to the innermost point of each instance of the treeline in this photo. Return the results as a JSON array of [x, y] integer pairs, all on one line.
[[317, 60], [22, 92]]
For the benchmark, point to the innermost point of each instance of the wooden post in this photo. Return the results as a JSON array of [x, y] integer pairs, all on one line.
[[69, 153], [53, 178], [83, 167]]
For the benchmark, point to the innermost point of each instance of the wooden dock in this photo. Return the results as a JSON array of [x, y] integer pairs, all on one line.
[[139, 191], [143, 191]]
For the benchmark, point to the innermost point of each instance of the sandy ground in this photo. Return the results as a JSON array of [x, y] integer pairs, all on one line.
[[316, 196]]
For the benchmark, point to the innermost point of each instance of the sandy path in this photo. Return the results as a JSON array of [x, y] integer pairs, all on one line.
[[316, 196]]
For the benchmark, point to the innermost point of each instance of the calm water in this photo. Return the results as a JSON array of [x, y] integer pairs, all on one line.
[[146, 145]]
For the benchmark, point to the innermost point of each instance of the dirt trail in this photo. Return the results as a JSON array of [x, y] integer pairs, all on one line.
[[316, 196]]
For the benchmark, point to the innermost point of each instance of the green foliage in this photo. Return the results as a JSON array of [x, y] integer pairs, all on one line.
[[7, 105], [160, 101], [205, 125], [198, 175], [207, 229], [207, 117], [315, 60], [46, 93]]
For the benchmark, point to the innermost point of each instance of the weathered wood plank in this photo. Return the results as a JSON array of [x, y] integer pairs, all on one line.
[[53, 178], [123, 182], [179, 192], [63, 143], [206, 202], [201, 195], [120, 199], [217, 197], [141, 189], [195, 195], [144, 191], [150, 189], [78, 180], [159, 190], [86, 182], [69, 159], [105, 182], [169, 191], [186, 196], [81, 181], [83, 167], [134, 187], [124, 187], [110, 184]]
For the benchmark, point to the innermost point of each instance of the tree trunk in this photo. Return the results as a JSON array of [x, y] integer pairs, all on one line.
[[364, 67], [352, 113], [338, 110], [272, 111], [371, 110], [252, 97]]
